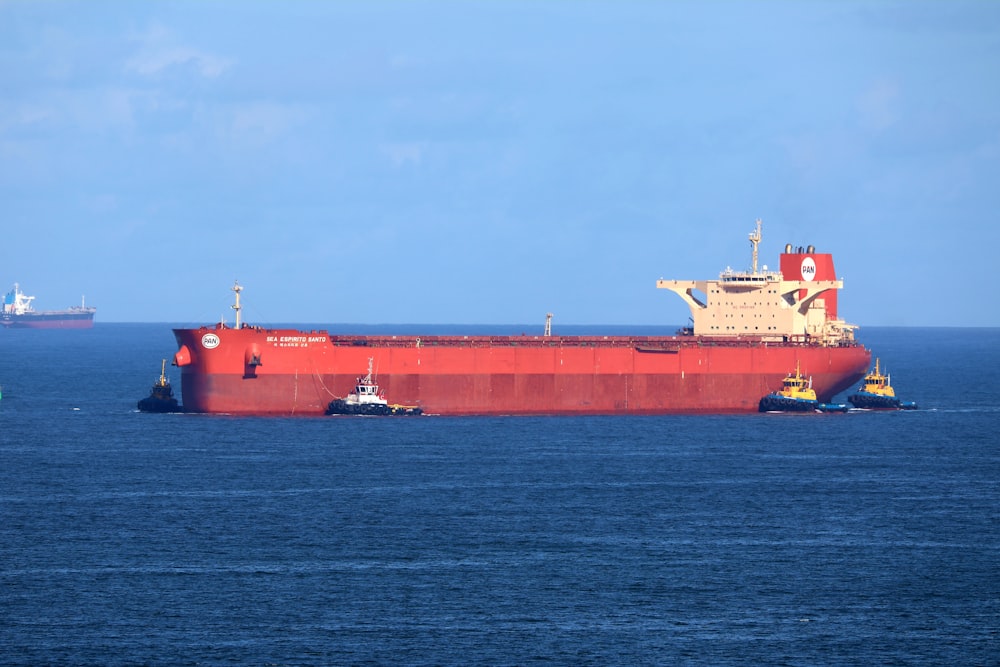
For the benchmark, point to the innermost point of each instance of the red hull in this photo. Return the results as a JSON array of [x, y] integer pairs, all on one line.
[[259, 371]]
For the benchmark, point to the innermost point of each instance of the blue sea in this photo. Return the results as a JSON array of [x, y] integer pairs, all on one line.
[[844, 539]]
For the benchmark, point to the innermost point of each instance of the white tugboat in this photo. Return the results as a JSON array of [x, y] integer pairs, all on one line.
[[366, 399]]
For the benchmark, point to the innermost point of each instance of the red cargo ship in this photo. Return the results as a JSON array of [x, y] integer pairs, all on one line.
[[749, 328]]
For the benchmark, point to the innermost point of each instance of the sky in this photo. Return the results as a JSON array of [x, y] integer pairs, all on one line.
[[482, 162]]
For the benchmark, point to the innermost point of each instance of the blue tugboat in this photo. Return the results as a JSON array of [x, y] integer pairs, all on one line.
[[796, 395], [876, 393]]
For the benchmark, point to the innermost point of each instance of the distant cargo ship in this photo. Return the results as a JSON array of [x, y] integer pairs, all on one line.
[[748, 329], [19, 313]]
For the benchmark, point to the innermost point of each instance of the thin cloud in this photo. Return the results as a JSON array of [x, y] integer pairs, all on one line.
[[24, 115], [264, 122], [877, 106], [159, 52], [405, 153]]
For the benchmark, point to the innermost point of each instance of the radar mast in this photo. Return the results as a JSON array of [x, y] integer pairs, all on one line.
[[236, 306], [754, 240]]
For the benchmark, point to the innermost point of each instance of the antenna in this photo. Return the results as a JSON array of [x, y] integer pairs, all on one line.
[[236, 288]]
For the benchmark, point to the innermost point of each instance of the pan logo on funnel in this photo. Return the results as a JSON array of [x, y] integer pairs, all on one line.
[[808, 269]]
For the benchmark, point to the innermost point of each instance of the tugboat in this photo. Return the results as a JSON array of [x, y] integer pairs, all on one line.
[[796, 395], [366, 399], [876, 393], [161, 396]]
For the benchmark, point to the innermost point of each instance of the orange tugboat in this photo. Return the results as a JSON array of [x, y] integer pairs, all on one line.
[[876, 393], [748, 328]]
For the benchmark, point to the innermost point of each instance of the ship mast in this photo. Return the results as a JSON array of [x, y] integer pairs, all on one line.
[[236, 288], [548, 325], [754, 240]]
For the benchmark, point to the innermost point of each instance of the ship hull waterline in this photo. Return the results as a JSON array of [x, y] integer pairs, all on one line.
[[256, 371], [48, 321]]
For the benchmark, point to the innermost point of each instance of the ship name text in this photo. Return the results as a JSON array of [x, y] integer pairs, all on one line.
[[296, 340]]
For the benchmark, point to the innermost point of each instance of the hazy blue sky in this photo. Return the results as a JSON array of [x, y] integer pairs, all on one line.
[[488, 162]]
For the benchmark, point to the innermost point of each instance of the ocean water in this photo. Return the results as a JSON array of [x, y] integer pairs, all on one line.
[[857, 539]]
